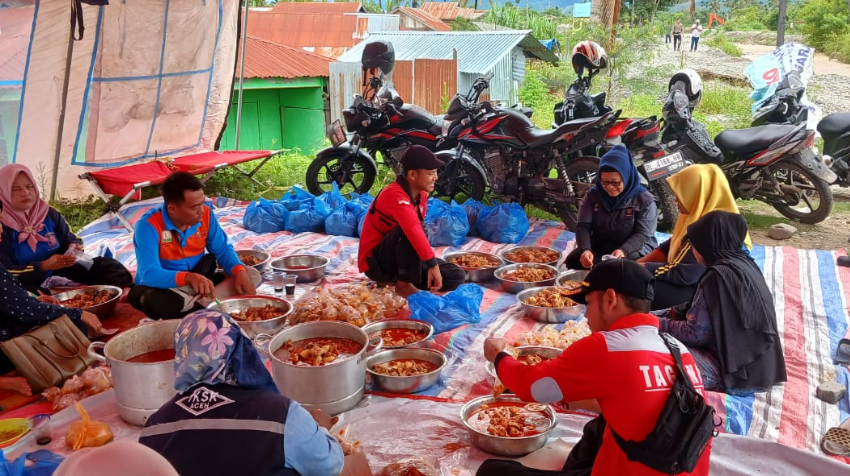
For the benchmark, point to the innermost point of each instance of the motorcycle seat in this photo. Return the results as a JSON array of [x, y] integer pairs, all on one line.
[[834, 125], [535, 137], [744, 141]]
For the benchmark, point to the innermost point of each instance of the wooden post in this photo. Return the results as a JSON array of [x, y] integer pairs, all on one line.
[[780, 26]]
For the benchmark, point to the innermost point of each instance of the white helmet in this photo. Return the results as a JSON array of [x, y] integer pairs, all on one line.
[[589, 54], [691, 85]]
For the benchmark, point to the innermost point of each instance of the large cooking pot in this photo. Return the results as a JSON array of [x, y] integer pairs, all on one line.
[[334, 387], [140, 388]]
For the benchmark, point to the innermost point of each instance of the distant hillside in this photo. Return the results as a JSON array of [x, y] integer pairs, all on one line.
[[538, 5]]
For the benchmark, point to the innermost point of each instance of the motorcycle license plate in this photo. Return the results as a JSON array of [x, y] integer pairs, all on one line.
[[336, 134], [664, 166]]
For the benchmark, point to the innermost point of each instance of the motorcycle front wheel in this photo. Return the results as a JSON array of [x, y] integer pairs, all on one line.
[[810, 199], [460, 182], [351, 174], [668, 209]]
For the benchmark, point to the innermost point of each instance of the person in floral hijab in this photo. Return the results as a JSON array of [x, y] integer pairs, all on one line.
[[229, 405]]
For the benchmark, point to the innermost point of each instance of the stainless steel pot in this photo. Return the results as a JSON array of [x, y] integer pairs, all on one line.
[[103, 310], [334, 387], [140, 388], [254, 328], [504, 445], [476, 275], [411, 384], [414, 324], [306, 267]]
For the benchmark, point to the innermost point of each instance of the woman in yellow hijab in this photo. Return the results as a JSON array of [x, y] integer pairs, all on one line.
[[699, 189]]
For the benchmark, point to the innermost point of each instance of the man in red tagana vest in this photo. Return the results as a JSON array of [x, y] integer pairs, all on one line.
[[393, 244], [624, 364]]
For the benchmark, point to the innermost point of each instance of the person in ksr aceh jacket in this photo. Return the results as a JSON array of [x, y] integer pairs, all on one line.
[[228, 417], [618, 216], [393, 244]]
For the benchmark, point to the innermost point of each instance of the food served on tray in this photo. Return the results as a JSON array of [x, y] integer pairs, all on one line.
[[474, 261], [532, 255], [404, 367], [549, 337], [93, 380], [250, 260], [317, 351], [88, 300], [552, 297], [397, 337], [356, 304], [528, 275], [257, 313], [510, 419]]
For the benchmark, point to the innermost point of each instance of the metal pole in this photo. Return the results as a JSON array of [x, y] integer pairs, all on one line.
[[62, 107], [241, 75], [780, 26]]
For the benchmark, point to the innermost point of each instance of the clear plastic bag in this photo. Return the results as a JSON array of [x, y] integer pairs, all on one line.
[[87, 433], [82, 258]]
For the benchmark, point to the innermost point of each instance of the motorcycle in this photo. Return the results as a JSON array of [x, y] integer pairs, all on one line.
[[772, 163], [502, 147]]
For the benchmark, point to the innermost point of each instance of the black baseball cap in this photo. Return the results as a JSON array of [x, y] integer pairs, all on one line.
[[420, 157], [624, 276]]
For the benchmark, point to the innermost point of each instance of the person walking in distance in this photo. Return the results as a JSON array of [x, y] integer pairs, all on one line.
[[677, 29], [696, 30]]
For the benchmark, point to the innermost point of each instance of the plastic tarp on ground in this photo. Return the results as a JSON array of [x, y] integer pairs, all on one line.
[[149, 78]]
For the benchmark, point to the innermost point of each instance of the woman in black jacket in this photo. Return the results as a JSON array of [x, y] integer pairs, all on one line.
[[618, 215]]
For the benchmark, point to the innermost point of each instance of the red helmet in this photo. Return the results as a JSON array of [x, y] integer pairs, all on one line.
[[589, 54]]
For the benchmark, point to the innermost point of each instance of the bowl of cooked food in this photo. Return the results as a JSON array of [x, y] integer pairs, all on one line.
[[306, 267], [550, 304], [517, 277], [408, 370], [479, 266], [254, 258], [507, 426], [529, 355], [400, 333], [571, 279], [256, 314], [531, 254], [99, 300]]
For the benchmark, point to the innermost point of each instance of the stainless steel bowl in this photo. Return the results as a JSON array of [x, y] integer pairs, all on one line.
[[550, 263], [505, 445], [416, 383], [263, 256], [476, 275], [548, 314], [577, 275], [401, 324], [102, 310], [516, 286], [541, 350], [254, 328], [306, 267]]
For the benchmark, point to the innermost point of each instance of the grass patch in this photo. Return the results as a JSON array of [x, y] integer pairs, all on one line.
[[722, 42]]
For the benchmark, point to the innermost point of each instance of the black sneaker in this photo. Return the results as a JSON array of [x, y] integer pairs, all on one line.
[[843, 261]]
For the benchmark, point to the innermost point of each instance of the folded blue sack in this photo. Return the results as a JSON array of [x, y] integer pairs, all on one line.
[[459, 307]]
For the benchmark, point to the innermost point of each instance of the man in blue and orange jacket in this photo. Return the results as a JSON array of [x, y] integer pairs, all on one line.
[[174, 270], [393, 244]]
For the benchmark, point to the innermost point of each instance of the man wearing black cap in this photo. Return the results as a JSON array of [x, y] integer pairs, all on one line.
[[393, 243], [624, 364]]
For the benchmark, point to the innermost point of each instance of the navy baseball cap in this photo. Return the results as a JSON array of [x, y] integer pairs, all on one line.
[[624, 276]]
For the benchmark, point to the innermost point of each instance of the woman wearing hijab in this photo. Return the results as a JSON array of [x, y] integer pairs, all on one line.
[[730, 324], [20, 313], [36, 238], [618, 215], [699, 189], [228, 416]]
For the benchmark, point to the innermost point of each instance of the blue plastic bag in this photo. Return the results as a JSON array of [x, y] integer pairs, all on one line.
[[311, 218], [459, 307], [44, 462], [329, 201], [265, 216], [296, 198], [472, 208], [445, 224], [343, 220], [503, 223]]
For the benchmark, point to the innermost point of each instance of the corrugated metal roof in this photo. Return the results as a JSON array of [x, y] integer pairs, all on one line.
[[477, 51], [424, 17], [322, 8], [264, 59], [310, 29], [450, 11], [15, 24]]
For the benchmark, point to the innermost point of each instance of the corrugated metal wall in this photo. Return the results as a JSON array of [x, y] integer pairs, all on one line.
[[343, 83], [431, 78], [403, 79]]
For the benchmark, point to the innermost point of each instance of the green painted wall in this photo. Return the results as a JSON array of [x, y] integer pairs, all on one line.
[[278, 114]]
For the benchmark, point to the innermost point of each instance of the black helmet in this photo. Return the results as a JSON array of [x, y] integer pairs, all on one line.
[[378, 54]]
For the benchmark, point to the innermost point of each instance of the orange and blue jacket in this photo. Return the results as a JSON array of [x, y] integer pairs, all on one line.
[[164, 254]]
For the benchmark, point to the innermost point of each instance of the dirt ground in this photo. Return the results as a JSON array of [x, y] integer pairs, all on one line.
[[830, 234]]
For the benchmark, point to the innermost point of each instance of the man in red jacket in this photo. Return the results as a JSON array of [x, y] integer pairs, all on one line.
[[393, 243], [624, 364]]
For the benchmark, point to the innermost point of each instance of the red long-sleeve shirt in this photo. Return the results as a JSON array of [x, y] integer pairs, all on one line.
[[394, 206], [627, 369]]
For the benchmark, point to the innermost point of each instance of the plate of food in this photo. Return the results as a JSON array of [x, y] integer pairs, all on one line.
[[532, 254], [12, 430], [479, 266]]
